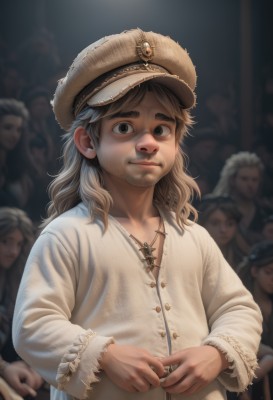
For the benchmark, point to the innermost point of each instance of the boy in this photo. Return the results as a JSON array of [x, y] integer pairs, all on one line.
[[123, 297]]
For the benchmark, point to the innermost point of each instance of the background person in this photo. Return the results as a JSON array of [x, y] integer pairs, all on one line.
[[241, 178], [16, 184], [257, 274], [16, 238], [221, 217]]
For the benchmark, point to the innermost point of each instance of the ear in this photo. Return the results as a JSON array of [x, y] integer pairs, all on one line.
[[84, 143]]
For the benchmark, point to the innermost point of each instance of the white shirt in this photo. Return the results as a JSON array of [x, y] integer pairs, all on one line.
[[83, 288]]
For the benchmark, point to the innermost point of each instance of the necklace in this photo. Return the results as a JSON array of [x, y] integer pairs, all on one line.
[[148, 249]]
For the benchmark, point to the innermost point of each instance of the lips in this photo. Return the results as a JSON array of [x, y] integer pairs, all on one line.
[[148, 163]]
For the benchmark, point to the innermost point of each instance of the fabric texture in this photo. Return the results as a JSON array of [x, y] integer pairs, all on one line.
[[91, 288], [107, 69]]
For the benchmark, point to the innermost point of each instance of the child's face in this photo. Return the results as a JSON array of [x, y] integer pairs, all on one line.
[[263, 278], [10, 248], [10, 131], [221, 227], [137, 146]]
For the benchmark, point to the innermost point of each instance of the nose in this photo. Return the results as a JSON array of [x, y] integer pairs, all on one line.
[[147, 144]]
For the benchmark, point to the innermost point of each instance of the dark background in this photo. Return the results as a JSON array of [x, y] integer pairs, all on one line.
[[228, 40]]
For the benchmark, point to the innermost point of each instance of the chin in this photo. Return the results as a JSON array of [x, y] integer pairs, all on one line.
[[144, 183]]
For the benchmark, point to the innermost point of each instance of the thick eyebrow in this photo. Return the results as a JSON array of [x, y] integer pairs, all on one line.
[[136, 114], [125, 114], [164, 117]]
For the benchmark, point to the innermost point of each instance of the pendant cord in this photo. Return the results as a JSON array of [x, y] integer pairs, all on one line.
[[148, 249]]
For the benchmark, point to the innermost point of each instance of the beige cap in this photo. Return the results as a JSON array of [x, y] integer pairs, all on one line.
[[107, 69]]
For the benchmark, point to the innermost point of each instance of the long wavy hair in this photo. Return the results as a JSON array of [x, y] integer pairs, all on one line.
[[81, 179], [231, 168]]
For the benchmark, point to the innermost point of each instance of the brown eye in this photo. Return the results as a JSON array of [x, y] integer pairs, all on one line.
[[162, 130], [122, 128]]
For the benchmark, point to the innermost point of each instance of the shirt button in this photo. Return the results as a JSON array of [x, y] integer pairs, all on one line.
[[175, 335], [158, 309], [167, 307], [163, 284], [152, 284], [163, 334]]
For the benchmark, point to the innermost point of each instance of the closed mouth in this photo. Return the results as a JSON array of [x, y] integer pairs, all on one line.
[[149, 163]]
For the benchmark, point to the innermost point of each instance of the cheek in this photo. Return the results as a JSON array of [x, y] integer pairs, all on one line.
[[263, 281], [232, 232], [261, 277], [109, 157], [169, 156]]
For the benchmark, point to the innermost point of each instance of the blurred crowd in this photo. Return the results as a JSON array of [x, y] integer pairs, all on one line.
[[29, 135], [236, 184], [30, 143]]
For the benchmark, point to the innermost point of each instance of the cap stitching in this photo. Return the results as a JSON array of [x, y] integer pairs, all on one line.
[[101, 82]]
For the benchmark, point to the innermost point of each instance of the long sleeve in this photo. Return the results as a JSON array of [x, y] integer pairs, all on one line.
[[84, 288], [233, 317], [44, 333]]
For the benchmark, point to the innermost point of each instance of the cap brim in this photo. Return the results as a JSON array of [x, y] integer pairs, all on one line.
[[117, 89]]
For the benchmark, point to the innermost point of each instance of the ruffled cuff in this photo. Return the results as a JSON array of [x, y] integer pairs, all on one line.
[[79, 367], [243, 363]]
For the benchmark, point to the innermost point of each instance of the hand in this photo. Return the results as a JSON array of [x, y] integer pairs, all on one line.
[[196, 368], [131, 368], [22, 378]]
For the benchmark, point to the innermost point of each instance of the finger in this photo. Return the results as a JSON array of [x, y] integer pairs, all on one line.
[[37, 380], [28, 390], [151, 377], [174, 377], [157, 366], [171, 360], [19, 386], [30, 379], [186, 386], [129, 388], [141, 385]]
